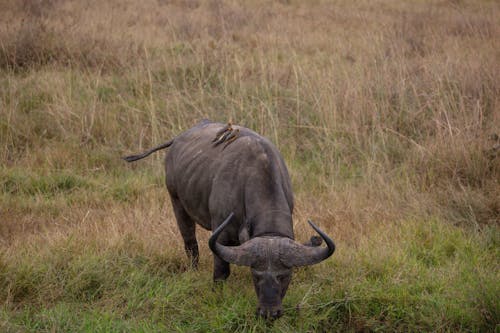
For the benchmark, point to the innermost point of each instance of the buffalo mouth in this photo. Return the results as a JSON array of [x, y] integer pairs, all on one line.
[[271, 286], [271, 313]]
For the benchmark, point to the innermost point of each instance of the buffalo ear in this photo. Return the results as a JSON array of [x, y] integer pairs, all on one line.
[[315, 241], [297, 254], [243, 255]]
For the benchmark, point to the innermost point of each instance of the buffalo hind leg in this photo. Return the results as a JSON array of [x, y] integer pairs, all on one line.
[[187, 227]]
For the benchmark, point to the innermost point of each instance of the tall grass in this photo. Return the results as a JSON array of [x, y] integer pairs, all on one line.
[[387, 115]]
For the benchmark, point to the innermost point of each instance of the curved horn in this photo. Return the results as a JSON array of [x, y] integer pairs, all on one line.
[[301, 255], [239, 255]]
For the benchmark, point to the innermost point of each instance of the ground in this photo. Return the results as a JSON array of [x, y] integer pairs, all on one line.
[[386, 113]]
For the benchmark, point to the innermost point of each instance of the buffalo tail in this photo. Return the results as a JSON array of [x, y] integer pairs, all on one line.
[[132, 158]]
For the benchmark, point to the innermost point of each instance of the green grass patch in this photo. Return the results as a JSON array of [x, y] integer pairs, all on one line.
[[17, 182], [54, 191], [429, 275]]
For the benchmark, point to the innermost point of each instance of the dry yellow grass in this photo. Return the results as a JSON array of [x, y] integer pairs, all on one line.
[[385, 111]]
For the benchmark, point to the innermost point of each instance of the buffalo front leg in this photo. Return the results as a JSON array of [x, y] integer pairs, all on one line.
[[221, 267], [187, 227]]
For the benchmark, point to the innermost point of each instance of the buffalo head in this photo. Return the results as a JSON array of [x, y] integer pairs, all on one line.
[[271, 260]]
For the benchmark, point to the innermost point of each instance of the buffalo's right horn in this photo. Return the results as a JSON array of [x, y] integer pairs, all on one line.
[[240, 255], [297, 254]]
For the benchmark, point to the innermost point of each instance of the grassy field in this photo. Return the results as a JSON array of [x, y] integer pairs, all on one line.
[[386, 112]]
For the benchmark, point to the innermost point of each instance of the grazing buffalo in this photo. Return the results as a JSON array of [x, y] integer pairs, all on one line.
[[231, 180]]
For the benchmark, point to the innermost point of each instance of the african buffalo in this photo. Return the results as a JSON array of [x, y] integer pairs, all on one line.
[[231, 180]]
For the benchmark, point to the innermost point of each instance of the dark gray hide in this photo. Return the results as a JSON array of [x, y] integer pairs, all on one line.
[[246, 185]]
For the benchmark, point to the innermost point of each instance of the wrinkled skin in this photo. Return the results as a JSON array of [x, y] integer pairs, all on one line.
[[248, 180]]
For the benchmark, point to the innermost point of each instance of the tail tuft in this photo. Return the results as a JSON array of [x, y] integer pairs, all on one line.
[[132, 158]]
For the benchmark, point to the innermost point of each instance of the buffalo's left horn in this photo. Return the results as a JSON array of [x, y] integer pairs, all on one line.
[[239, 255], [301, 255]]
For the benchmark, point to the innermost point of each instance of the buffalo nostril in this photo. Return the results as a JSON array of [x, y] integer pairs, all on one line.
[[262, 312], [277, 313]]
